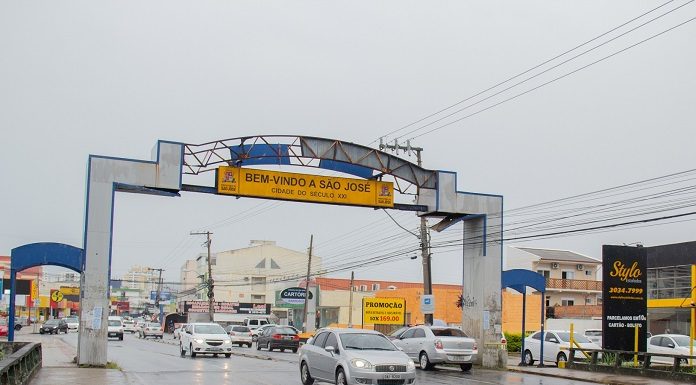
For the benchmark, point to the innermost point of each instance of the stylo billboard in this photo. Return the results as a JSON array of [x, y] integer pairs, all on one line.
[[624, 293]]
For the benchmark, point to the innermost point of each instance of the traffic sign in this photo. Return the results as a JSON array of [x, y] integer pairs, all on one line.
[[57, 296], [428, 304]]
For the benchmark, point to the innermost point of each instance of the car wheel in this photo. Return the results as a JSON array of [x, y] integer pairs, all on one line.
[[561, 357], [228, 355], [120, 338], [182, 352], [258, 345], [465, 367], [528, 359], [424, 361], [304, 375], [268, 346], [215, 355], [249, 345], [294, 350], [193, 354], [18, 327], [41, 331], [340, 377]]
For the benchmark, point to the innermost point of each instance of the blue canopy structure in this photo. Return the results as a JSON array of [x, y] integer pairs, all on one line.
[[519, 280], [39, 254]]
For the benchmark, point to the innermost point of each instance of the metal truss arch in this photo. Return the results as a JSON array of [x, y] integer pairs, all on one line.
[[308, 151]]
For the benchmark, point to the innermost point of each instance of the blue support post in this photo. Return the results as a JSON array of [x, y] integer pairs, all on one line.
[[541, 354], [524, 316], [11, 321]]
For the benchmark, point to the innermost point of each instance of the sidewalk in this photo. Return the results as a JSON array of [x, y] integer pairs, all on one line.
[[58, 366], [581, 375]]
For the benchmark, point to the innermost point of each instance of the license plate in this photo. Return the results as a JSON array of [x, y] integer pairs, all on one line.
[[287, 338], [459, 358], [392, 376], [215, 349]]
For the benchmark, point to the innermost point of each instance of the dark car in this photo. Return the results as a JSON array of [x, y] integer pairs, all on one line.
[[54, 326], [279, 337]]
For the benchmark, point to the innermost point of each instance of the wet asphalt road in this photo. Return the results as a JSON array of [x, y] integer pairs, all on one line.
[[152, 362]]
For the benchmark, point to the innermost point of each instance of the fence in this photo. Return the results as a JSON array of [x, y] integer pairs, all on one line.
[[18, 367]]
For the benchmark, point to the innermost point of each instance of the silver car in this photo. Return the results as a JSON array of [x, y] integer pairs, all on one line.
[[430, 345], [354, 356]]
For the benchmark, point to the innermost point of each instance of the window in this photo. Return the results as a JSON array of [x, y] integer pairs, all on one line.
[[450, 332], [568, 274], [262, 264], [408, 334], [331, 341], [588, 301], [375, 286], [666, 342], [550, 336], [545, 273], [255, 298], [567, 302], [274, 265], [536, 336], [363, 287], [669, 282], [655, 341], [419, 333], [588, 272], [319, 340]]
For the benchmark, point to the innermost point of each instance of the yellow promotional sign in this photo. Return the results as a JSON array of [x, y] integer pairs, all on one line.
[[384, 311], [303, 187], [34, 290], [70, 290]]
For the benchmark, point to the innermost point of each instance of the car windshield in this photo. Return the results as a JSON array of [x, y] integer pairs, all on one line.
[[52, 322], [366, 341], [682, 340], [399, 331], [593, 333], [153, 325], [284, 331], [449, 332], [71, 319], [240, 329], [565, 337], [114, 323], [209, 329]]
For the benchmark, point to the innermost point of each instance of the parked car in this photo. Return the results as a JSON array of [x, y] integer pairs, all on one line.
[[3, 327], [240, 335], [205, 338], [397, 333], [115, 327], [278, 337], [255, 322], [255, 332], [668, 344], [354, 356], [178, 331], [54, 326], [430, 345], [152, 329], [556, 345], [129, 326], [594, 335], [73, 322]]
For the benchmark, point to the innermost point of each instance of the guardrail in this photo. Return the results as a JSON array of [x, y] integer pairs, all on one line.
[[644, 367], [18, 367]]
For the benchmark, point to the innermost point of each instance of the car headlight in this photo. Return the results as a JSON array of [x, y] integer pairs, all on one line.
[[360, 363], [227, 341], [411, 365], [199, 340]]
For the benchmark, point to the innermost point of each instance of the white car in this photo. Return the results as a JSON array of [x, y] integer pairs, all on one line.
[[668, 344], [240, 335], [205, 338], [129, 326], [594, 335], [556, 345], [73, 323], [151, 329], [115, 327], [430, 345]]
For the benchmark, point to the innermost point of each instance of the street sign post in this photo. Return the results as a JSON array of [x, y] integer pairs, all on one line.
[[428, 304]]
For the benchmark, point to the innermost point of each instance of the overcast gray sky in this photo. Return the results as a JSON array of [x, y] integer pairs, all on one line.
[[111, 78]]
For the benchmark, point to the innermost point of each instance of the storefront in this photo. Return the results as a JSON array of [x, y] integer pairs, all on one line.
[[672, 288]]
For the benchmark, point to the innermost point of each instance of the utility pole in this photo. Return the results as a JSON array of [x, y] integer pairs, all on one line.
[[424, 234], [306, 297], [350, 308], [211, 294], [159, 291]]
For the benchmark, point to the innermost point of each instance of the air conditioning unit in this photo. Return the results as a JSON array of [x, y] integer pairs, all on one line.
[[554, 265], [580, 267]]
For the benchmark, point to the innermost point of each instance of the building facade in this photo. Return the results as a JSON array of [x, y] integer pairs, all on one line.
[[572, 287]]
